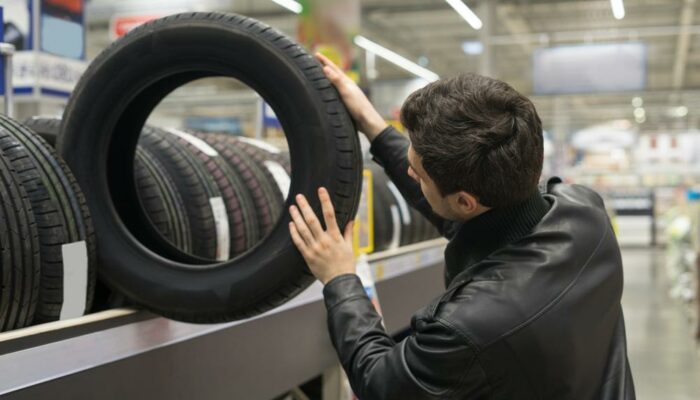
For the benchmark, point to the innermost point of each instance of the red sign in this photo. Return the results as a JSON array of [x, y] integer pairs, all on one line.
[[121, 25]]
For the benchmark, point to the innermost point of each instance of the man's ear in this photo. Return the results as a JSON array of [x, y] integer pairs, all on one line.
[[467, 203]]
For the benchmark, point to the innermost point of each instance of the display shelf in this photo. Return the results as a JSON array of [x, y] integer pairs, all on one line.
[[133, 354]]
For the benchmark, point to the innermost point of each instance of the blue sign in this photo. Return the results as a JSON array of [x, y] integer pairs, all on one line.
[[214, 125]]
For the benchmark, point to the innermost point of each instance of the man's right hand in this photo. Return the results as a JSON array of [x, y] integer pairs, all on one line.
[[366, 117]]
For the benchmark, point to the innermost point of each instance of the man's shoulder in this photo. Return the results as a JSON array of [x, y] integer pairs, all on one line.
[[572, 248], [574, 193]]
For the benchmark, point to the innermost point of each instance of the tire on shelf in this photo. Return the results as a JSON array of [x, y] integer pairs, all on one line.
[[275, 163], [161, 200], [20, 268], [241, 229], [258, 182], [195, 185], [109, 108], [66, 236], [46, 127]]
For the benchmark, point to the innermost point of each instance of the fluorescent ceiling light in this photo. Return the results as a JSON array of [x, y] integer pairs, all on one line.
[[467, 13], [290, 5], [618, 8], [396, 59]]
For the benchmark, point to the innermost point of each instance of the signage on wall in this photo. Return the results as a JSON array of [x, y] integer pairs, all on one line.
[[62, 24], [50, 56], [120, 25]]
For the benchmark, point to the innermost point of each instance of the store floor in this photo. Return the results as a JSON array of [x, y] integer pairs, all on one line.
[[664, 358]]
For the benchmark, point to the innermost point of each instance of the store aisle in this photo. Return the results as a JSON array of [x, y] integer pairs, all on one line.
[[664, 359]]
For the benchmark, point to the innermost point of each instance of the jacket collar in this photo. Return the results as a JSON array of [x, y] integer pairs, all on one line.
[[477, 238]]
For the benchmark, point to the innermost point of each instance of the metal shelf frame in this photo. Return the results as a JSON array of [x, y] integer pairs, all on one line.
[[120, 354]]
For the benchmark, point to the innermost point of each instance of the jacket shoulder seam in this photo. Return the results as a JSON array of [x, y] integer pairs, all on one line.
[[557, 299]]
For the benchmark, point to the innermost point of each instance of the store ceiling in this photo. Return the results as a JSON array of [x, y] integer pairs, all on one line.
[[432, 30]]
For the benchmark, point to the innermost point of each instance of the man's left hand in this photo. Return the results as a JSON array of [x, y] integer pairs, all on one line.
[[329, 253]]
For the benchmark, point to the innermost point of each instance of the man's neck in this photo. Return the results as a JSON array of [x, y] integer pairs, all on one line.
[[491, 230]]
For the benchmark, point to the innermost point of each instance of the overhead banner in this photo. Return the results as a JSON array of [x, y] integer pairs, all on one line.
[[329, 27], [611, 67]]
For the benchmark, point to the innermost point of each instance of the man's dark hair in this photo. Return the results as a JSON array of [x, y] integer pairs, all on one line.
[[479, 135]]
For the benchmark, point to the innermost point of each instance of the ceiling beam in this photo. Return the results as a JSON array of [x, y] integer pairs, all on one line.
[[683, 44], [515, 24]]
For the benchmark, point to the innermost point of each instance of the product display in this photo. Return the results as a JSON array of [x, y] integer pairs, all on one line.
[[151, 153], [105, 117], [63, 222]]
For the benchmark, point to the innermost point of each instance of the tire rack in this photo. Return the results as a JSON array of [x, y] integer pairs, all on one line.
[[120, 354]]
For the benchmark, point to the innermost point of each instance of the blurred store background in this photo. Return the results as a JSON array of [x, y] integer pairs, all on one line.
[[616, 82]]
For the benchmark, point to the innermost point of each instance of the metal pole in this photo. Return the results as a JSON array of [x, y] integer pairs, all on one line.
[[7, 51]]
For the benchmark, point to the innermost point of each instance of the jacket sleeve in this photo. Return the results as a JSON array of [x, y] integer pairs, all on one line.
[[390, 150], [435, 362]]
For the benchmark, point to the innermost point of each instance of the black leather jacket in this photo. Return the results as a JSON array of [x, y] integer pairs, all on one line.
[[537, 319]]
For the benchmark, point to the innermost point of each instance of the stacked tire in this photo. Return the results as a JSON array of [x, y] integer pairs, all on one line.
[[396, 223], [46, 233]]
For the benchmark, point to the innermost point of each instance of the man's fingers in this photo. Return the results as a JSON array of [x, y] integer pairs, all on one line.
[[309, 216], [328, 212], [348, 234], [301, 225], [296, 238], [332, 75], [328, 63]]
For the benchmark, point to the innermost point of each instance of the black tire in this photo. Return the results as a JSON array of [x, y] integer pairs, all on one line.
[[19, 243], [276, 165], [161, 200], [193, 183], [243, 230], [108, 110], [261, 152], [64, 226], [268, 203], [47, 127], [385, 237], [415, 229]]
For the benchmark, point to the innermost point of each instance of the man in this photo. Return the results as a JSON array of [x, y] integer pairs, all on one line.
[[534, 279]]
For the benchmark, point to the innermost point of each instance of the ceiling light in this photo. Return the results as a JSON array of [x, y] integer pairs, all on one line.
[[291, 5], [472, 47], [639, 112], [637, 102], [467, 13], [396, 59], [640, 120], [618, 9]]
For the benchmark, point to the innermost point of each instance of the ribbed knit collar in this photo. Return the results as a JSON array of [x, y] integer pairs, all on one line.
[[479, 237]]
